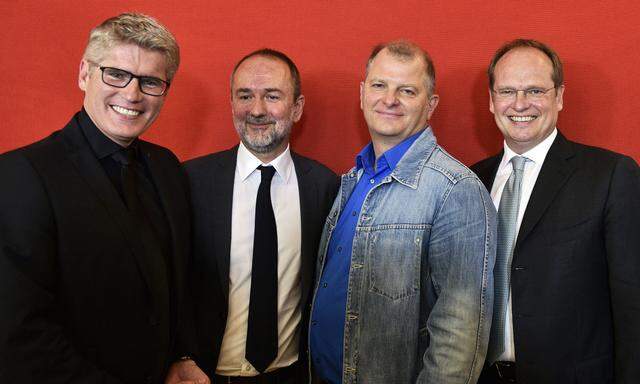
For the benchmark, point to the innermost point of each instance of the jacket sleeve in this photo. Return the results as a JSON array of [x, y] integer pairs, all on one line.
[[622, 240], [461, 255], [33, 344]]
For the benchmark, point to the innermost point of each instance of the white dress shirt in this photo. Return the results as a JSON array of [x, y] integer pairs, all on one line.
[[285, 199], [535, 158]]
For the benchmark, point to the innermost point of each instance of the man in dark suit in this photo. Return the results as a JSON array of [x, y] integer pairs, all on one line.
[[567, 291], [258, 213], [95, 227]]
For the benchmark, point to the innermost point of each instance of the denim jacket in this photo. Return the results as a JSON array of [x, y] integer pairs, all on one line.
[[420, 291]]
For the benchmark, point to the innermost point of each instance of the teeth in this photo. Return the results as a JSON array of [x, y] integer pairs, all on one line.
[[125, 111], [522, 118]]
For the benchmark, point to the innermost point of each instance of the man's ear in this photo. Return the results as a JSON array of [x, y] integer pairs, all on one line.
[[433, 103], [559, 95], [298, 107], [491, 101], [83, 74]]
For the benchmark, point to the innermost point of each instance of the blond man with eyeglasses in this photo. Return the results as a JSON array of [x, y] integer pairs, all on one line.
[[94, 229]]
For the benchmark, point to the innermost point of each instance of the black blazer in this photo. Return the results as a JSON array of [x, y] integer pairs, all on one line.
[[211, 178], [575, 277], [81, 300]]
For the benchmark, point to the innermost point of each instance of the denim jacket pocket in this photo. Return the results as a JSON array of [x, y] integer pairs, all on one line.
[[393, 254]]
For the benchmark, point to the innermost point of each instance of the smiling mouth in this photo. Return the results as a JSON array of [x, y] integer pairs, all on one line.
[[389, 114], [522, 119], [125, 111], [260, 126]]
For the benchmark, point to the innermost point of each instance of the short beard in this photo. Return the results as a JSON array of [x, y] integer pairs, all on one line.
[[266, 143]]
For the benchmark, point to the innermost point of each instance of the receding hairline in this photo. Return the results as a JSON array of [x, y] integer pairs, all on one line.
[[557, 71], [276, 56]]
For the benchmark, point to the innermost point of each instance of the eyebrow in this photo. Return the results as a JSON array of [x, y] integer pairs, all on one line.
[[402, 85], [267, 90]]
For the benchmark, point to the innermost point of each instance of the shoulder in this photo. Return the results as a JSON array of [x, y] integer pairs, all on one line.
[[312, 165], [23, 172], [159, 152], [444, 163], [29, 156], [204, 164], [315, 170], [601, 158]]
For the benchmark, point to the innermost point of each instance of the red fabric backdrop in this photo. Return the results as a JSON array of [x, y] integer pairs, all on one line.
[[42, 42]]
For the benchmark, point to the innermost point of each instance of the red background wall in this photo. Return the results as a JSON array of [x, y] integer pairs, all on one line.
[[41, 44]]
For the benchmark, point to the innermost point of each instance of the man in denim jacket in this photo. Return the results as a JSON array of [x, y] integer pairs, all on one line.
[[404, 290]]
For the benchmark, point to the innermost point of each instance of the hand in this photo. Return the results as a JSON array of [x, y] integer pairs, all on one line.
[[186, 372]]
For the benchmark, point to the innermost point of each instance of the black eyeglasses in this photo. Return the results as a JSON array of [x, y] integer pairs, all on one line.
[[120, 78]]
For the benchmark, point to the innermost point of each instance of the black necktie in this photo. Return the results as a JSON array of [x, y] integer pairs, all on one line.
[[262, 328], [129, 178], [141, 198]]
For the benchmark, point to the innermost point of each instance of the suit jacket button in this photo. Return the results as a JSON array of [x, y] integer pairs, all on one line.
[[148, 380], [153, 320]]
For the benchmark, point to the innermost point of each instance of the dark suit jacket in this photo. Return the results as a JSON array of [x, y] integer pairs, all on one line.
[[211, 178], [575, 277], [81, 299]]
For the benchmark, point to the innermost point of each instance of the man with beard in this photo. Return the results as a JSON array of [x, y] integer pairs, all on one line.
[[258, 214]]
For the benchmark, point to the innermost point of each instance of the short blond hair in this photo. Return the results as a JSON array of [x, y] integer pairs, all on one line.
[[134, 28]]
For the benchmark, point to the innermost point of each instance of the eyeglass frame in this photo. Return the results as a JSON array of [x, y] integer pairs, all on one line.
[[525, 92], [131, 77]]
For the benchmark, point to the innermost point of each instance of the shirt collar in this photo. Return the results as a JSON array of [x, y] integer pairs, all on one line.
[[536, 154], [388, 160], [101, 145], [247, 163]]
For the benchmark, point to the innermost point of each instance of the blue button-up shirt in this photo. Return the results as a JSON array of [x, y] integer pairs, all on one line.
[[328, 314]]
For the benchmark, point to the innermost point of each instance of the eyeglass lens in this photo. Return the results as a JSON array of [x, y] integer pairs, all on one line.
[[120, 78]]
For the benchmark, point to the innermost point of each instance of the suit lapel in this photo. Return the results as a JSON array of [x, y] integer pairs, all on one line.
[[555, 172], [169, 190], [222, 200], [308, 208], [84, 160]]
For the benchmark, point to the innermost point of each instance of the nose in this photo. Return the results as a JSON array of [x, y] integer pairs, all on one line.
[[389, 98], [132, 91], [521, 102], [258, 109]]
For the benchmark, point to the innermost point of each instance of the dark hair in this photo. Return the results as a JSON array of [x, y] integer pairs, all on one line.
[[272, 53], [406, 50], [556, 75]]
